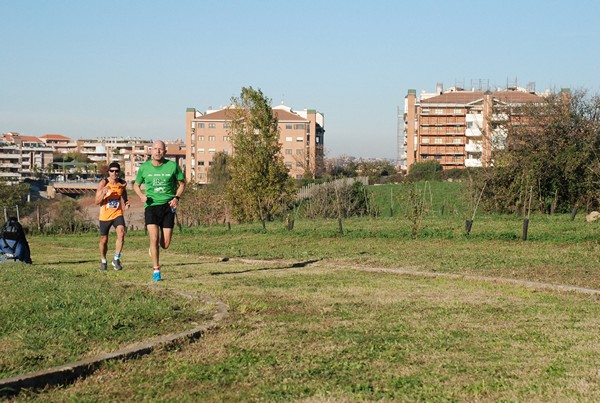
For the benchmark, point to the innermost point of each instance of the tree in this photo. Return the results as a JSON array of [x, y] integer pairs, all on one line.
[[553, 153], [13, 194], [341, 167], [218, 176], [375, 169], [259, 184], [425, 170]]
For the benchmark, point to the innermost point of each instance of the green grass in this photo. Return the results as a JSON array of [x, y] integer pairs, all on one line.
[[51, 315], [307, 322], [440, 198]]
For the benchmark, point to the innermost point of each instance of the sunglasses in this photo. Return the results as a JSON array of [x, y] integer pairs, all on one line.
[[113, 170]]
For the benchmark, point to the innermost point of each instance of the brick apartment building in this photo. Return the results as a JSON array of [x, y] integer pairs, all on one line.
[[460, 128], [301, 139], [23, 157]]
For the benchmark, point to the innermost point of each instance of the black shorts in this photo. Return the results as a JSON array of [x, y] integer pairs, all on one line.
[[161, 215], [105, 225]]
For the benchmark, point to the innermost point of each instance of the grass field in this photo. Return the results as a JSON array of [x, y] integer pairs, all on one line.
[[314, 316]]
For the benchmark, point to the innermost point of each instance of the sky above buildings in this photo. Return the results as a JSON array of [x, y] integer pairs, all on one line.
[[93, 68]]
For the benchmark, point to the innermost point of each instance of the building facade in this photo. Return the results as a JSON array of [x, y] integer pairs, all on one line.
[[23, 157], [460, 128], [301, 135]]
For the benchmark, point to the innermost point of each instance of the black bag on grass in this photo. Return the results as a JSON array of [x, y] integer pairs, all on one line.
[[13, 244]]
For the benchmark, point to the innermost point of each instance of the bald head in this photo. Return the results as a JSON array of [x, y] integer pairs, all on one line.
[[158, 152], [159, 144]]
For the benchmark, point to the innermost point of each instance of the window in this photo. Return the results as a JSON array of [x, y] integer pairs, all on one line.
[[288, 127], [289, 138], [211, 150], [200, 138], [201, 163], [457, 140], [299, 164], [288, 151], [226, 151], [439, 111], [226, 125], [457, 111], [288, 165], [211, 163], [200, 151], [300, 139], [299, 126], [200, 125], [212, 138], [425, 140], [425, 111], [225, 138], [299, 152], [469, 125], [438, 140], [212, 125]]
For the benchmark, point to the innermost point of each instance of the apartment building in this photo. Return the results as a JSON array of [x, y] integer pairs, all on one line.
[[60, 144], [460, 128], [23, 156], [301, 135]]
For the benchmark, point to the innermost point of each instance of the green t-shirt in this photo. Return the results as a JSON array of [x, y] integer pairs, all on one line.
[[161, 181]]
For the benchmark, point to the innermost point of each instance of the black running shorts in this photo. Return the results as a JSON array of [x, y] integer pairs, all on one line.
[[161, 215], [105, 225]]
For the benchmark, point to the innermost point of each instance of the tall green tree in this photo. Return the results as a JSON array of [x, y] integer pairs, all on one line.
[[11, 196], [552, 155], [218, 175], [259, 185]]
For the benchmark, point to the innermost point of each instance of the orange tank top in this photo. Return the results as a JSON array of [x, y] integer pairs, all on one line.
[[111, 206]]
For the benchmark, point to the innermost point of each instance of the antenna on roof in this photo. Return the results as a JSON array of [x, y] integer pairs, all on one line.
[[282, 99]]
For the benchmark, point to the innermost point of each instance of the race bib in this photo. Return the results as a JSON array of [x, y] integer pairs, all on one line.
[[113, 203]]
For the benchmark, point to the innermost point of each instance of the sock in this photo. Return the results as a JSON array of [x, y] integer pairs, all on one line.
[[104, 260], [156, 268], [117, 256]]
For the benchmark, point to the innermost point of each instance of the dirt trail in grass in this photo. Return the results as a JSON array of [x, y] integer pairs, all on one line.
[[539, 285]]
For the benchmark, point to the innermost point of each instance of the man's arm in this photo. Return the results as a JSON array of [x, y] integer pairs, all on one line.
[[138, 190], [180, 188], [100, 192]]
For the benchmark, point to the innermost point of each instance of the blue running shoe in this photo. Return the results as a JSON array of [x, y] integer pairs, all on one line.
[[156, 276]]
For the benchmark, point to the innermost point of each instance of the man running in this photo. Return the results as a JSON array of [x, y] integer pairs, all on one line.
[[164, 186], [111, 195]]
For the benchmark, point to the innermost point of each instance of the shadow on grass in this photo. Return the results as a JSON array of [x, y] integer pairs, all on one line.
[[65, 262], [292, 266]]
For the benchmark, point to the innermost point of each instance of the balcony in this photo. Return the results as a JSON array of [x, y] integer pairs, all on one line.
[[473, 132], [9, 165], [473, 162], [473, 148]]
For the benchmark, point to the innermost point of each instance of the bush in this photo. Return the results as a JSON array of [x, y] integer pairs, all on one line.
[[425, 171]]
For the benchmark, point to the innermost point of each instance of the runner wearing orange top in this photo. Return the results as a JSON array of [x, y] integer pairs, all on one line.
[[111, 195]]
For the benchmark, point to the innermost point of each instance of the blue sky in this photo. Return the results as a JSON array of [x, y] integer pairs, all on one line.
[[131, 68]]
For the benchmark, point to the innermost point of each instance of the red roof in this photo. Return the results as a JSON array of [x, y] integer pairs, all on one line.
[[466, 97], [55, 137], [31, 139], [226, 114]]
